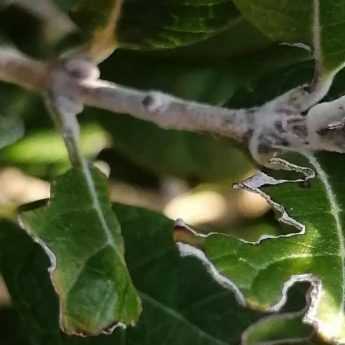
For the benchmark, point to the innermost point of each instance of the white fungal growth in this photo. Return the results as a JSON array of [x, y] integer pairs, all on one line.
[[282, 125], [325, 124]]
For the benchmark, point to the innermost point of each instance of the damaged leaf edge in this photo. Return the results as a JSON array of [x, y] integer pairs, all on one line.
[[253, 184], [45, 203], [187, 250]]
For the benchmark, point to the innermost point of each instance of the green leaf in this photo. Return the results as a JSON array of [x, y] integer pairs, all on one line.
[[263, 272], [278, 329], [222, 45], [302, 22], [182, 305], [82, 237], [280, 20], [151, 24]]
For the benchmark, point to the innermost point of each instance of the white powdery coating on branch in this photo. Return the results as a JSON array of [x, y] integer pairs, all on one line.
[[77, 79], [325, 124], [277, 125], [167, 111]]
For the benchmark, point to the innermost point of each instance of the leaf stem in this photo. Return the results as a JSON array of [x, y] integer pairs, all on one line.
[[67, 124]]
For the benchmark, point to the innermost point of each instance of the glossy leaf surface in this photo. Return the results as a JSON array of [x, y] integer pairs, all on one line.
[[82, 237], [300, 22], [262, 272], [175, 291], [153, 24]]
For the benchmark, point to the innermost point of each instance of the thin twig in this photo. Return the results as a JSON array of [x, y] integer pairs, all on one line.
[[167, 111], [78, 79], [23, 71], [266, 129]]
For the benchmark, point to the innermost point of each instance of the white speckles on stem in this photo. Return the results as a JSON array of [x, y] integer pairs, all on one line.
[[167, 111], [325, 125], [277, 125]]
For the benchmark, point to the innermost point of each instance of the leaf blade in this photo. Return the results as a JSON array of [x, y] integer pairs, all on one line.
[[263, 272], [173, 306], [152, 24], [313, 22], [86, 250]]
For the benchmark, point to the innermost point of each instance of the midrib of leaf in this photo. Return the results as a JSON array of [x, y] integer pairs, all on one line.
[[180, 318], [100, 215], [127, 311], [335, 212], [68, 123], [96, 204]]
